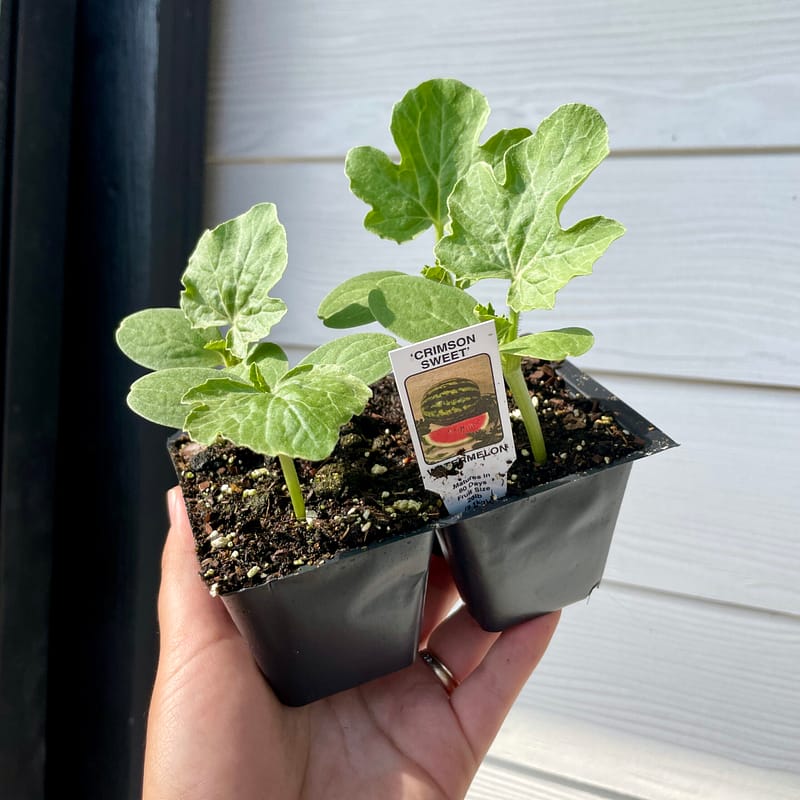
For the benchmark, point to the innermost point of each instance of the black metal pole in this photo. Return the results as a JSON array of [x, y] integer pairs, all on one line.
[[134, 214], [36, 52]]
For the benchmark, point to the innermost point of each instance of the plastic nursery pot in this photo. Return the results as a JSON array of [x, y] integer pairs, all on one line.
[[337, 624], [529, 555], [334, 626]]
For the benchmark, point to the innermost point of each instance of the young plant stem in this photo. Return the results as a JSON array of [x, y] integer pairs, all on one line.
[[293, 485], [512, 372]]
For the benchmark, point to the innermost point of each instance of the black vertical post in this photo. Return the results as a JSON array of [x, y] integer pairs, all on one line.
[[134, 214], [36, 51]]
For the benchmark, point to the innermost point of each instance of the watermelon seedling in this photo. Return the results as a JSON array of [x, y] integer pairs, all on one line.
[[212, 374], [494, 209]]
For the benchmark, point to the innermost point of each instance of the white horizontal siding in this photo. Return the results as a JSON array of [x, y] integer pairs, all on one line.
[[714, 678], [677, 679], [700, 285], [543, 756], [718, 516], [309, 77]]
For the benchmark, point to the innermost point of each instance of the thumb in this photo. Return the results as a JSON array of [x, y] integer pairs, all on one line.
[[187, 613]]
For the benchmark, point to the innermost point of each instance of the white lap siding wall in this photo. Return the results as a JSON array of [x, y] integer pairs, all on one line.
[[678, 678]]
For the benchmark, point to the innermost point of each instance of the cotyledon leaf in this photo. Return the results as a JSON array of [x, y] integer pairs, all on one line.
[[347, 305], [415, 308], [551, 345], [157, 395], [364, 355], [161, 338]]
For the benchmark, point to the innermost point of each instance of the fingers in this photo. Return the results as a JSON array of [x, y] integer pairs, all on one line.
[[461, 643], [440, 597], [185, 606], [485, 697], [490, 668]]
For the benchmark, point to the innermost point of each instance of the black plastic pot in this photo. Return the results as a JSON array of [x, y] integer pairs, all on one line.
[[529, 555], [335, 626]]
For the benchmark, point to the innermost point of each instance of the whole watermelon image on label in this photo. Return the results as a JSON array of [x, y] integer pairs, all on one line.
[[450, 401]]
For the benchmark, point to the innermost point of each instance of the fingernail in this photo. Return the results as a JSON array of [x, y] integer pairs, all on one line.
[[173, 498]]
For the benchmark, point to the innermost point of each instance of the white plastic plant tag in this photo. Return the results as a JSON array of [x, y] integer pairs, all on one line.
[[454, 399]]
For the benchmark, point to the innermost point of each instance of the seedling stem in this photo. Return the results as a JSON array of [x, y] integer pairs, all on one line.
[[293, 485]]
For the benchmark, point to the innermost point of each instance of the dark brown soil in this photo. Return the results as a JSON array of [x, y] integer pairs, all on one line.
[[368, 490]]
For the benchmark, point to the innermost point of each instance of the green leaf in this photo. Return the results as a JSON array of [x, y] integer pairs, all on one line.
[[551, 345], [299, 418], [438, 274], [230, 273], [270, 359], [502, 325], [347, 306], [436, 128], [511, 230], [493, 150], [161, 338], [257, 379], [415, 308], [157, 395], [364, 355], [216, 346]]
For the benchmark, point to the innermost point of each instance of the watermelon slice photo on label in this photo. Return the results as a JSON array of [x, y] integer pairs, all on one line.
[[458, 433], [481, 428]]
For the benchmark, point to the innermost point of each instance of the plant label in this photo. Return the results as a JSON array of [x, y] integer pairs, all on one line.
[[454, 398]]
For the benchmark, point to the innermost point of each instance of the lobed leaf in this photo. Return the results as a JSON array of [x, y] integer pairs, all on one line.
[[494, 149], [436, 128], [162, 338], [551, 345], [502, 324], [510, 229], [299, 418], [230, 273]]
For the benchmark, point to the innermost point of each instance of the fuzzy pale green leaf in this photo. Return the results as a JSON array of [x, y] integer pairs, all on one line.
[[438, 274], [551, 345], [436, 128], [157, 395], [299, 418], [415, 308], [347, 306], [364, 355], [502, 325], [162, 338], [493, 150], [511, 230], [230, 274], [271, 361]]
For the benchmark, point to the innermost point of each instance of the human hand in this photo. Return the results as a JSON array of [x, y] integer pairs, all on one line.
[[216, 730]]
